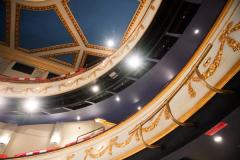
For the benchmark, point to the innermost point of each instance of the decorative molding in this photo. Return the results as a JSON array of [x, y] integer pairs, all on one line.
[[42, 8], [83, 37], [134, 19], [61, 86], [224, 39]]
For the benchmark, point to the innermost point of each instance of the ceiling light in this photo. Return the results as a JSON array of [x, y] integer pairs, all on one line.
[[110, 43], [31, 105], [2, 101], [196, 31], [218, 139], [117, 99], [78, 118], [95, 88], [139, 108], [134, 61]]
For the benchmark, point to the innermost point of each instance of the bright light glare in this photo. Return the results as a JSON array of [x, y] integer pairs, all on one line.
[[218, 139], [139, 107], [4, 139], [78, 118], [95, 88], [31, 105], [196, 31], [110, 43], [2, 101], [117, 99], [134, 61]]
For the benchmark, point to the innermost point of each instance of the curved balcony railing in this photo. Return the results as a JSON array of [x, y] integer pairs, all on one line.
[[214, 63], [71, 83]]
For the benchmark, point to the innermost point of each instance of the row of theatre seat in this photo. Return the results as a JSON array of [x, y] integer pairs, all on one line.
[[47, 150], [41, 80]]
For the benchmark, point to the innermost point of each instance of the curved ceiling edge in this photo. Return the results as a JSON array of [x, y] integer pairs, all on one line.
[[155, 79], [125, 139], [53, 88]]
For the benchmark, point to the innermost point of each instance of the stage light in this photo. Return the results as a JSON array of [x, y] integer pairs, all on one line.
[[31, 105], [196, 31], [218, 139], [110, 43], [95, 88], [78, 118], [139, 108], [134, 61], [117, 99]]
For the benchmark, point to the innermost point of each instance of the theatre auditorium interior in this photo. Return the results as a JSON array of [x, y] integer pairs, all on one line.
[[119, 79]]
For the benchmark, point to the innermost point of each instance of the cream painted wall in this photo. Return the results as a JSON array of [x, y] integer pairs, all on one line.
[[35, 137], [4, 64], [28, 138], [70, 131]]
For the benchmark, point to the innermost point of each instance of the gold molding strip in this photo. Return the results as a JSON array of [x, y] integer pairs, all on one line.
[[210, 87], [183, 124], [140, 132], [44, 8], [83, 37], [38, 62]]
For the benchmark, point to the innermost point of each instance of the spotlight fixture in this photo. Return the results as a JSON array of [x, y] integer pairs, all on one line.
[[95, 88], [31, 105], [117, 99], [139, 108], [196, 31], [134, 61], [78, 118], [218, 139], [110, 43]]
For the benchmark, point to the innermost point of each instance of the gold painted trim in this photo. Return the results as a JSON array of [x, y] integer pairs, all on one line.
[[210, 87], [133, 21], [80, 32], [83, 37], [234, 70], [44, 8]]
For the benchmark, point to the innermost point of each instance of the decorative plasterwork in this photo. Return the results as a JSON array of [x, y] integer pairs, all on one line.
[[61, 86], [133, 21], [81, 34], [7, 23], [42, 8], [155, 120]]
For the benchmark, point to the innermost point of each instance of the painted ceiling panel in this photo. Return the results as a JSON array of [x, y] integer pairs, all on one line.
[[2, 20], [92, 60], [39, 29], [68, 58], [101, 20]]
